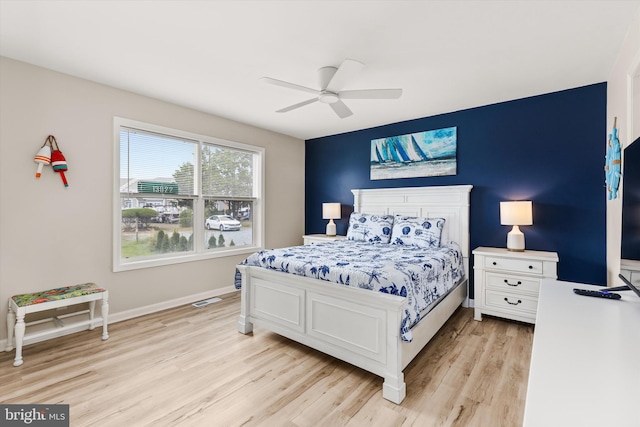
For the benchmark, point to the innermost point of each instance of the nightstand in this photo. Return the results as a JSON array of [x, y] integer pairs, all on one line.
[[507, 283], [311, 239]]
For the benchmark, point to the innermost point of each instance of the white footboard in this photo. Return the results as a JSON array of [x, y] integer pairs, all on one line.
[[354, 325]]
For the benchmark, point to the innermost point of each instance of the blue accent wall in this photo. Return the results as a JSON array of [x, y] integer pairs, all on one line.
[[549, 149]]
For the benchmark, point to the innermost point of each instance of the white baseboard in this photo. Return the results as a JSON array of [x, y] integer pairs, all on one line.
[[154, 308]]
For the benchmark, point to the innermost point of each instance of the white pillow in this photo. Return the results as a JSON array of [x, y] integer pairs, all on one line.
[[416, 231], [370, 228]]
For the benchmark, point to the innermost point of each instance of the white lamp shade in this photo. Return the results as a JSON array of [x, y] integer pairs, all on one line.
[[331, 210], [516, 213]]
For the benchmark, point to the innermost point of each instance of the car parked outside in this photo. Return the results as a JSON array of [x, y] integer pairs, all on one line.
[[222, 223], [170, 218]]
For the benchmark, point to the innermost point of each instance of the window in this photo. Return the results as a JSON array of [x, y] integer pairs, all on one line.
[[182, 197]]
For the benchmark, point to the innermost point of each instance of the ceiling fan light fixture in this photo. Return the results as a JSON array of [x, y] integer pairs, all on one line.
[[331, 81], [328, 97]]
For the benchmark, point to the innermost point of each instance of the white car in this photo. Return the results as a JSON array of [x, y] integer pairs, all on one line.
[[222, 223]]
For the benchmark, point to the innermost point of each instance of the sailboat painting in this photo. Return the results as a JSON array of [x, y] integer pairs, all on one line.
[[430, 153]]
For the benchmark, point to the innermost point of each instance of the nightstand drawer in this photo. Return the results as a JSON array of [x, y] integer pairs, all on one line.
[[312, 239], [515, 265], [511, 302], [505, 282]]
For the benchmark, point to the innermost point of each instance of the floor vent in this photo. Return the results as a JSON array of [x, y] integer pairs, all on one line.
[[206, 302]]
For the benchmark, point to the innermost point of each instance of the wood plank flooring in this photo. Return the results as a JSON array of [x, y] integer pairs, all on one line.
[[190, 367]]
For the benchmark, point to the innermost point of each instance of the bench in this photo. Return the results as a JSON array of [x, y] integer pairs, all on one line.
[[23, 304]]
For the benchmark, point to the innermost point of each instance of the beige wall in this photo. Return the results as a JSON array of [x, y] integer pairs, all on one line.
[[51, 236], [619, 99]]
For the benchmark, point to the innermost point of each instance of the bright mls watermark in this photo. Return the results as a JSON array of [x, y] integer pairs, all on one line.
[[34, 415]]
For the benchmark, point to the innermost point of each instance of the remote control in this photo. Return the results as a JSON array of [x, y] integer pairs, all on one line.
[[599, 294]]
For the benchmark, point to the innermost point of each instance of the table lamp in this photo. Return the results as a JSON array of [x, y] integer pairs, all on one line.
[[516, 213], [331, 211]]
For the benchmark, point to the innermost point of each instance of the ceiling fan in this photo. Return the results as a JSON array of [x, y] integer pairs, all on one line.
[[331, 81]]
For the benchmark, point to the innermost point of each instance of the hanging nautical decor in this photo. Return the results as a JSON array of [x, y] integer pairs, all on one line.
[[612, 165], [58, 162], [42, 158], [53, 156]]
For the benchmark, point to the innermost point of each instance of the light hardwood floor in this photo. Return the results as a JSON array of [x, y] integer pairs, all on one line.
[[189, 367]]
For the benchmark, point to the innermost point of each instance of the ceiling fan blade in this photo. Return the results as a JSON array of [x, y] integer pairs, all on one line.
[[298, 105], [288, 85], [371, 94], [341, 109], [348, 69]]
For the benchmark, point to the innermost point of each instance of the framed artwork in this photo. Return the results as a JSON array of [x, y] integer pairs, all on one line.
[[429, 153]]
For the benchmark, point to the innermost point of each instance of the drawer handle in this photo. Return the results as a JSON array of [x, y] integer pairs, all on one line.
[[511, 284], [512, 303], [531, 267]]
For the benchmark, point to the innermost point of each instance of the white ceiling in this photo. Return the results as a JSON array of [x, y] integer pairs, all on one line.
[[209, 55]]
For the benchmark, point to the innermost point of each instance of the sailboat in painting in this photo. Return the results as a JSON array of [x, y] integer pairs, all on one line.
[[421, 154], [416, 152], [393, 150]]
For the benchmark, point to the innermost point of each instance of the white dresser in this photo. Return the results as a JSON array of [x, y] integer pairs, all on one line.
[[584, 362], [631, 271], [506, 283]]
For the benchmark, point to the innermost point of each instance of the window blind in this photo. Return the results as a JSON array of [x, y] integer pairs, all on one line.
[[154, 163]]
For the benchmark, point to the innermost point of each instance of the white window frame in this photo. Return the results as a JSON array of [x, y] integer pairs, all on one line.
[[200, 252]]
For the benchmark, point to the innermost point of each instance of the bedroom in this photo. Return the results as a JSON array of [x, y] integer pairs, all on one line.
[[49, 252]]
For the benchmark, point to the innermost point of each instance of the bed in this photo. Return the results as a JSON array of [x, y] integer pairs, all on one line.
[[356, 325]]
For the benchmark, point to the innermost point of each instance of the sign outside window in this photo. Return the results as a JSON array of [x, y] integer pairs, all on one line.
[[157, 187]]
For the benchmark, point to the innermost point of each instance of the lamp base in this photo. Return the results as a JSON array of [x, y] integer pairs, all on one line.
[[331, 228], [515, 240]]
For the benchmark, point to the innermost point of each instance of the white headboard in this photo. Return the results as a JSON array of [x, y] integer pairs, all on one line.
[[448, 202]]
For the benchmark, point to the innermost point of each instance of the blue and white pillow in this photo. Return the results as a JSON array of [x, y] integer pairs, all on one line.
[[416, 231], [370, 228]]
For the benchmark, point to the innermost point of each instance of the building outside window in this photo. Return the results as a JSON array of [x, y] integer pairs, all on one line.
[[182, 197]]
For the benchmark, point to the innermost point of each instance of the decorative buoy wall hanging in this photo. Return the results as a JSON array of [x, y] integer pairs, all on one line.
[[53, 156], [42, 158]]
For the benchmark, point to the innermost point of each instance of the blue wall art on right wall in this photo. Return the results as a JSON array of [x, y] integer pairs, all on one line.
[[549, 149]]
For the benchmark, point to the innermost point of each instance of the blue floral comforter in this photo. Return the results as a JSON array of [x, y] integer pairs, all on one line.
[[421, 275]]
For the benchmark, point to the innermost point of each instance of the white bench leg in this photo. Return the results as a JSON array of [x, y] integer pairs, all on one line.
[[19, 329], [11, 322], [92, 312], [105, 315]]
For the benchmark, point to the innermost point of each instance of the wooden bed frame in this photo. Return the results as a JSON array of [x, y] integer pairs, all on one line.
[[356, 325]]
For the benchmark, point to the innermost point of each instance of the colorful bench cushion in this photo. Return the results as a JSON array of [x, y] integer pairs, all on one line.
[[23, 300]]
